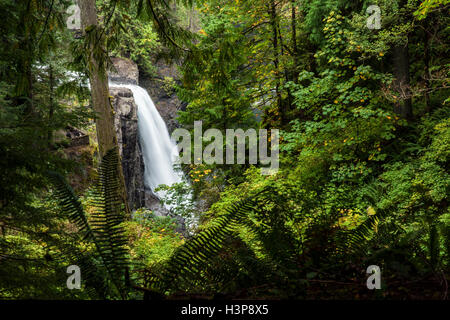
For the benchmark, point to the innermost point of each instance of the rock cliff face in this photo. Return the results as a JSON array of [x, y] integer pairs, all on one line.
[[126, 71], [126, 124], [160, 88]]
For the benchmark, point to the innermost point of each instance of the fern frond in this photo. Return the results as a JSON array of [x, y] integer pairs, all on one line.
[[104, 229], [189, 260], [107, 218], [357, 238], [70, 204]]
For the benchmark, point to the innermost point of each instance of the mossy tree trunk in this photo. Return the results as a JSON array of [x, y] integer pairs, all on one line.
[[98, 78], [106, 134]]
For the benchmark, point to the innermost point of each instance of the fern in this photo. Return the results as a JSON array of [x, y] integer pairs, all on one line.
[[356, 239], [188, 261], [104, 229], [107, 219]]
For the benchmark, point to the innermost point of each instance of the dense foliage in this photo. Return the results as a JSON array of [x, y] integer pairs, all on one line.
[[364, 151], [361, 180]]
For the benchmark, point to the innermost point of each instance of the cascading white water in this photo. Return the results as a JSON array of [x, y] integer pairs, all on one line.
[[159, 152]]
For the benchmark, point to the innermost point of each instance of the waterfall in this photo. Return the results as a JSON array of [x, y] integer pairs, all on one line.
[[159, 152]]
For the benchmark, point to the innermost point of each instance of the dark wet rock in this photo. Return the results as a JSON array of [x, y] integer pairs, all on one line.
[[160, 88], [152, 202], [126, 124], [77, 137]]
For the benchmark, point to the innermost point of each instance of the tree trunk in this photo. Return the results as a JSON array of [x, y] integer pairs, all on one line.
[[98, 78], [294, 39], [427, 70], [51, 104], [106, 134], [287, 105], [401, 84], [276, 59]]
